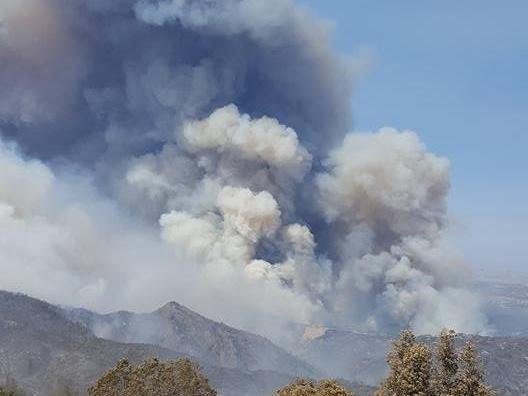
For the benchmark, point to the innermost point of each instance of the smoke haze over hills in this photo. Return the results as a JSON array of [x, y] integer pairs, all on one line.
[[202, 152]]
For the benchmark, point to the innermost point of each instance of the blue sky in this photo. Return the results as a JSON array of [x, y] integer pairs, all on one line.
[[456, 72]]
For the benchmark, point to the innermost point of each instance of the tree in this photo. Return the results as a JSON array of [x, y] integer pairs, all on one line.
[[11, 392], [471, 381], [411, 372], [300, 387], [446, 368], [10, 388], [304, 387], [410, 369], [153, 378], [332, 388]]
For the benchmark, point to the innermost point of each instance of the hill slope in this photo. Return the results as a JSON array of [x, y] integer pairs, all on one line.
[[178, 328], [39, 346]]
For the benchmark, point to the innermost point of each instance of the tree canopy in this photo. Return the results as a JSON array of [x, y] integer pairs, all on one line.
[[304, 387], [415, 371], [153, 378]]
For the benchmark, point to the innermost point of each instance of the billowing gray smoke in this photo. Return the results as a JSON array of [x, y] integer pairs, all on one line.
[[199, 151]]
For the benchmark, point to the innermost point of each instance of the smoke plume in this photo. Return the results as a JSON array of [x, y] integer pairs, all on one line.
[[201, 151]]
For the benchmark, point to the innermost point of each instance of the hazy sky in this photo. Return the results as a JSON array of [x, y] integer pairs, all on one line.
[[457, 73]]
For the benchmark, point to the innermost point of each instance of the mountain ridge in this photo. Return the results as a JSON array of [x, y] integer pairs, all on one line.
[[176, 327], [40, 346]]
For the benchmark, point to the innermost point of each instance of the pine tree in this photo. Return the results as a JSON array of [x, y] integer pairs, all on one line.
[[411, 372], [446, 368], [471, 381], [410, 369]]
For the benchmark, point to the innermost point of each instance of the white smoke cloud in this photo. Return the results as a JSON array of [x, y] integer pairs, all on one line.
[[263, 140], [140, 174], [386, 196], [64, 242], [381, 204], [226, 148], [384, 201], [251, 215], [386, 180]]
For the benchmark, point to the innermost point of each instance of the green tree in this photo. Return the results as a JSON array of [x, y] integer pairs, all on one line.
[[153, 378], [410, 369], [305, 387], [446, 367], [471, 381]]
